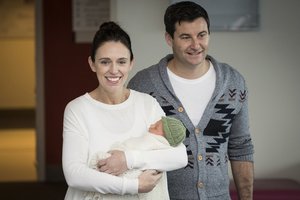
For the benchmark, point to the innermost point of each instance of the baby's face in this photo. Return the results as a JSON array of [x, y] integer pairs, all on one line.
[[157, 128]]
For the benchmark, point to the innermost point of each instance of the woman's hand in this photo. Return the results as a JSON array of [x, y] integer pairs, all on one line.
[[148, 180], [115, 164]]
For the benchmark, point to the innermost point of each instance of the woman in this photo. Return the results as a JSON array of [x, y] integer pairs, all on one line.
[[109, 114]]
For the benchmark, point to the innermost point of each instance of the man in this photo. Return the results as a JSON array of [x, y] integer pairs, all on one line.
[[210, 98]]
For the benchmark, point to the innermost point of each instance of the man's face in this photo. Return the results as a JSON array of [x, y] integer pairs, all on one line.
[[190, 43]]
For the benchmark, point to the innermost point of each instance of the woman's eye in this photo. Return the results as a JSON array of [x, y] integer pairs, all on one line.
[[103, 62], [122, 62]]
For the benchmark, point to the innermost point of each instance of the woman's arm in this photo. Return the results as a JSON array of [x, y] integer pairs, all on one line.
[[162, 160], [166, 159], [75, 163]]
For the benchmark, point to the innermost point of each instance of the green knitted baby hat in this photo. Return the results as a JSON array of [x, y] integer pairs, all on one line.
[[174, 130]]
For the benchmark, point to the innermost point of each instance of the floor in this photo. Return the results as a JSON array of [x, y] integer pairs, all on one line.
[[18, 177], [17, 155]]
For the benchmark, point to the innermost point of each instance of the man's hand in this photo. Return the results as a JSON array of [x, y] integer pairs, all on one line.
[[115, 164], [148, 180]]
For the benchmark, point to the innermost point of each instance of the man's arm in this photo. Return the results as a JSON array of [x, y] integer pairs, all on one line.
[[243, 175]]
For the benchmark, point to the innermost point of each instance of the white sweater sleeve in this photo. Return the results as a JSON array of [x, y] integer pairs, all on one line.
[[161, 160], [75, 163]]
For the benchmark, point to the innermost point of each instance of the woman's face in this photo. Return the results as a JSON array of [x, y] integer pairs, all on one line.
[[112, 65]]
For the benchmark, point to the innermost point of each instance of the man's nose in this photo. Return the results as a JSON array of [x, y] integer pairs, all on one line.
[[195, 43]]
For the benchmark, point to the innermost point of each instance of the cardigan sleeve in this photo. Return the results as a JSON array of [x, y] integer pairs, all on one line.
[[240, 146]]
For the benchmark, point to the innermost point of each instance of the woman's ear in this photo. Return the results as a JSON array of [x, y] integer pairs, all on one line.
[[92, 64], [131, 64], [168, 39]]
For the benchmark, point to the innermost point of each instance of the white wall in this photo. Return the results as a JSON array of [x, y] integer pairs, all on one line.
[[268, 59]]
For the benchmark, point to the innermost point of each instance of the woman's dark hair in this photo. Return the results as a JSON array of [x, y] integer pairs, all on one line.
[[183, 11], [110, 31]]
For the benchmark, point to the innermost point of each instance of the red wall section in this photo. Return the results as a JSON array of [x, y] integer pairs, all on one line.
[[66, 72]]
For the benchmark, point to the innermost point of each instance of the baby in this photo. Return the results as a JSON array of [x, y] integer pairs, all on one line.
[[166, 133]]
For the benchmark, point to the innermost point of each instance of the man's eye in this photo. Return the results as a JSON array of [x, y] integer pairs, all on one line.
[[185, 38], [202, 35]]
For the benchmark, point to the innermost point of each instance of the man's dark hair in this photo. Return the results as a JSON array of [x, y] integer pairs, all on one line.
[[183, 11]]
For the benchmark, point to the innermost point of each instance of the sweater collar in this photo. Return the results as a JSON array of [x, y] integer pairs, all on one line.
[[162, 67]]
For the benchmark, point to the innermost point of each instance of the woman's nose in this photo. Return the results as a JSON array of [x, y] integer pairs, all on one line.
[[114, 68]]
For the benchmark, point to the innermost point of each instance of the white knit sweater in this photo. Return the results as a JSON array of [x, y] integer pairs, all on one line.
[[91, 126]]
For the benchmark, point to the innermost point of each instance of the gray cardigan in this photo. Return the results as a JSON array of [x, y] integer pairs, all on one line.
[[221, 135]]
